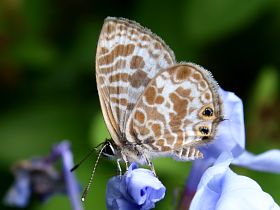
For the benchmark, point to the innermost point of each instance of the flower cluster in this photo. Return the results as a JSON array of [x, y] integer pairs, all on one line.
[[39, 178]]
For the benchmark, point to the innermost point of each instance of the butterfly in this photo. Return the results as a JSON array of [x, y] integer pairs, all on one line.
[[152, 105]]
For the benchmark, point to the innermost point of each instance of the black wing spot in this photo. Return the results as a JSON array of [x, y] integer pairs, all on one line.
[[208, 112], [204, 130]]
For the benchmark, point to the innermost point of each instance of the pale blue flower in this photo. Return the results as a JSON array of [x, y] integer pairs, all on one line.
[[138, 189]]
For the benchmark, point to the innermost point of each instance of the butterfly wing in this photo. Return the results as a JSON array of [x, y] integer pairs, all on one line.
[[179, 110], [128, 57]]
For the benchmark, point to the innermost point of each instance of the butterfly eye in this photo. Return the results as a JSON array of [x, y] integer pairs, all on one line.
[[208, 112], [204, 130], [108, 150]]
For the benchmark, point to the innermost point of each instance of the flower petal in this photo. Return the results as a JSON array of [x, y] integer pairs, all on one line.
[[268, 161], [143, 186], [117, 197], [19, 193], [137, 189], [63, 149], [221, 188]]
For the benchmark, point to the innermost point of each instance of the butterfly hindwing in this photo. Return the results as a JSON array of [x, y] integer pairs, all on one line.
[[179, 109]]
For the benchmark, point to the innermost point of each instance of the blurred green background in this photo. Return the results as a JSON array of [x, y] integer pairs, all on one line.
[[48, 90]]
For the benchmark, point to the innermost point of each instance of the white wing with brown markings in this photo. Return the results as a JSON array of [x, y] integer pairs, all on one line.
[[128, 57]]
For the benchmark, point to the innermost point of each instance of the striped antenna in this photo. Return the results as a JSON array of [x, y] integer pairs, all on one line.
[[92, 174], [86, 157]]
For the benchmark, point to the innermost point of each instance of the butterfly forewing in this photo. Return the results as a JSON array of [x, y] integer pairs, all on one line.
[[179, 110], [128, 57]]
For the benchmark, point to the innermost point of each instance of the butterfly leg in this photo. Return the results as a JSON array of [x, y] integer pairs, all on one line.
[[151, 165], [125, 161], [119, 167]]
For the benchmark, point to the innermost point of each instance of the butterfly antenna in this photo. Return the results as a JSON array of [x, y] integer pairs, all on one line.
[[86, 157], [223, 118], [92, 174]]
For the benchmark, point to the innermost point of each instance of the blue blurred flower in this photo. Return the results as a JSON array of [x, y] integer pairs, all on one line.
[[220, 188], [38, 178], [137, 189], [230, 140]]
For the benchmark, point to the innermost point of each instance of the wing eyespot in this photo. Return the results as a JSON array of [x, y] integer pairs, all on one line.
[[208, 112], [204, 130]]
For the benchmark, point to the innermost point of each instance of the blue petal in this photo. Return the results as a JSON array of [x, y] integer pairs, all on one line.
[[268, 161], [197, 169], [19, 193], [137, 189], [221, 188], [117, 197], [63, 150], [143, 186]]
